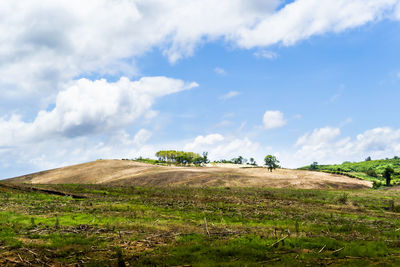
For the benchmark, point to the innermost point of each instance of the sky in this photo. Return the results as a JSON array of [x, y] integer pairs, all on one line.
[[304, 80]]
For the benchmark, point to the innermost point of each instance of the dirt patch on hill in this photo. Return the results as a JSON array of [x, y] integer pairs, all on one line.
[[125, 172]]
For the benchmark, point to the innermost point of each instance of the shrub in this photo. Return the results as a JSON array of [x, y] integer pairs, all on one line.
[[371, 172], [343, 198], [376, 184]]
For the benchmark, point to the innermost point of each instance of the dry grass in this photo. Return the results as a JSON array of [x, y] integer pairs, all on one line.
[[123, 172], [174, 226]]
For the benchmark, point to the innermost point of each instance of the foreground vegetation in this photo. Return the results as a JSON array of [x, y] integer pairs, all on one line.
[[371, 170], [198, 226]]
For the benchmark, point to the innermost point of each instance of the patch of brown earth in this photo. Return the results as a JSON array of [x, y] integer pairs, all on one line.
[[125, 172]]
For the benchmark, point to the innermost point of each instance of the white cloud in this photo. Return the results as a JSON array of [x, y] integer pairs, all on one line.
[[48, 43], [318, 138], [325, 145], [141, 137], [273, 119], [266, 54], [91, 107], [397, 12], [47, 46], [220, 71], [207, 140], [304, 18], [225, 147], [53, 153], [229, 95]]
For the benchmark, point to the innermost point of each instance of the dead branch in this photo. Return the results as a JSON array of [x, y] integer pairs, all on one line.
[[205, 223], [340, 249], [283, 238], [322, 249]]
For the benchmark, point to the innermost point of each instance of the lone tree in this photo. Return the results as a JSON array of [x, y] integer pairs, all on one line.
[[387, 174], [252, 162], [314, 166], [205, 158], [271, 162], [239, 160]]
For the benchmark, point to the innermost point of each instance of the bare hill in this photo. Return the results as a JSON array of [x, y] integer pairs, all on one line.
[[124, 172]]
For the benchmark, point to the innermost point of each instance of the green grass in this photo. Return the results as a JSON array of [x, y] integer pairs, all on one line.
[[359, 169], [166, 227]]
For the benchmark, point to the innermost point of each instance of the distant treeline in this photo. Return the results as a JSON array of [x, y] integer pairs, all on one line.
[[382, 171], [182, 157], [238, 160], [188, 158]]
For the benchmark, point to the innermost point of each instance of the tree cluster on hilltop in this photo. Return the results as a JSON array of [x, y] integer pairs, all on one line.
[[187, 158], [182, 157], [270, 161]]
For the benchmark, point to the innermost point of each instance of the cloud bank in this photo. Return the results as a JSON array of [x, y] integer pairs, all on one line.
[[47, 43], [48, 47], [91, 107]]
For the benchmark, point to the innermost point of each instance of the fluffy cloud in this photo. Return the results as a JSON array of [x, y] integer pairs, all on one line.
[[304, 18], [48, 43], [326, 145], [207, 140], [273, 119], [46, 47], [318, 138], [53, 153], [92, 107], [225, 147]]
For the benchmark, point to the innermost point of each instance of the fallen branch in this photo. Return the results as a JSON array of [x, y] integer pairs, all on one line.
[[283, 238], [205, 223], [340, 249], [322, 249]]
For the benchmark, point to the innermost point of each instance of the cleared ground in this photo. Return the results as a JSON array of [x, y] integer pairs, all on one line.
[[125, 172], [192, 226]]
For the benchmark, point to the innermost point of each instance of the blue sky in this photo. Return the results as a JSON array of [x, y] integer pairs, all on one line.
[[304, 80]]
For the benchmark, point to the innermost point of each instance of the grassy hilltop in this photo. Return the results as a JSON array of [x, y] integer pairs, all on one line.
[[371, 170]]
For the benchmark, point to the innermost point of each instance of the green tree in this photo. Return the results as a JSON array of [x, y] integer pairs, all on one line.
[[205, 158], [387, 174], [271, 162], [239, 160], [371, 172], [252, 162], [314, 166]]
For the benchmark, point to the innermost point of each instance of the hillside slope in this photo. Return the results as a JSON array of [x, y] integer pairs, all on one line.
[[123, 172], [371, 170]]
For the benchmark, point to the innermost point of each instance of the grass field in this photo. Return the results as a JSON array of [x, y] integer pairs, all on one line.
[[198, 226]]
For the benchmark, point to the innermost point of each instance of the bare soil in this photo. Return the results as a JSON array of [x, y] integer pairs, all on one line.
[[124, 172]]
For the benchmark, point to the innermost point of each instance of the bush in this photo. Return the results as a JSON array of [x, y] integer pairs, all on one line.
[[343, 198], [376, 184], [371, 172]]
